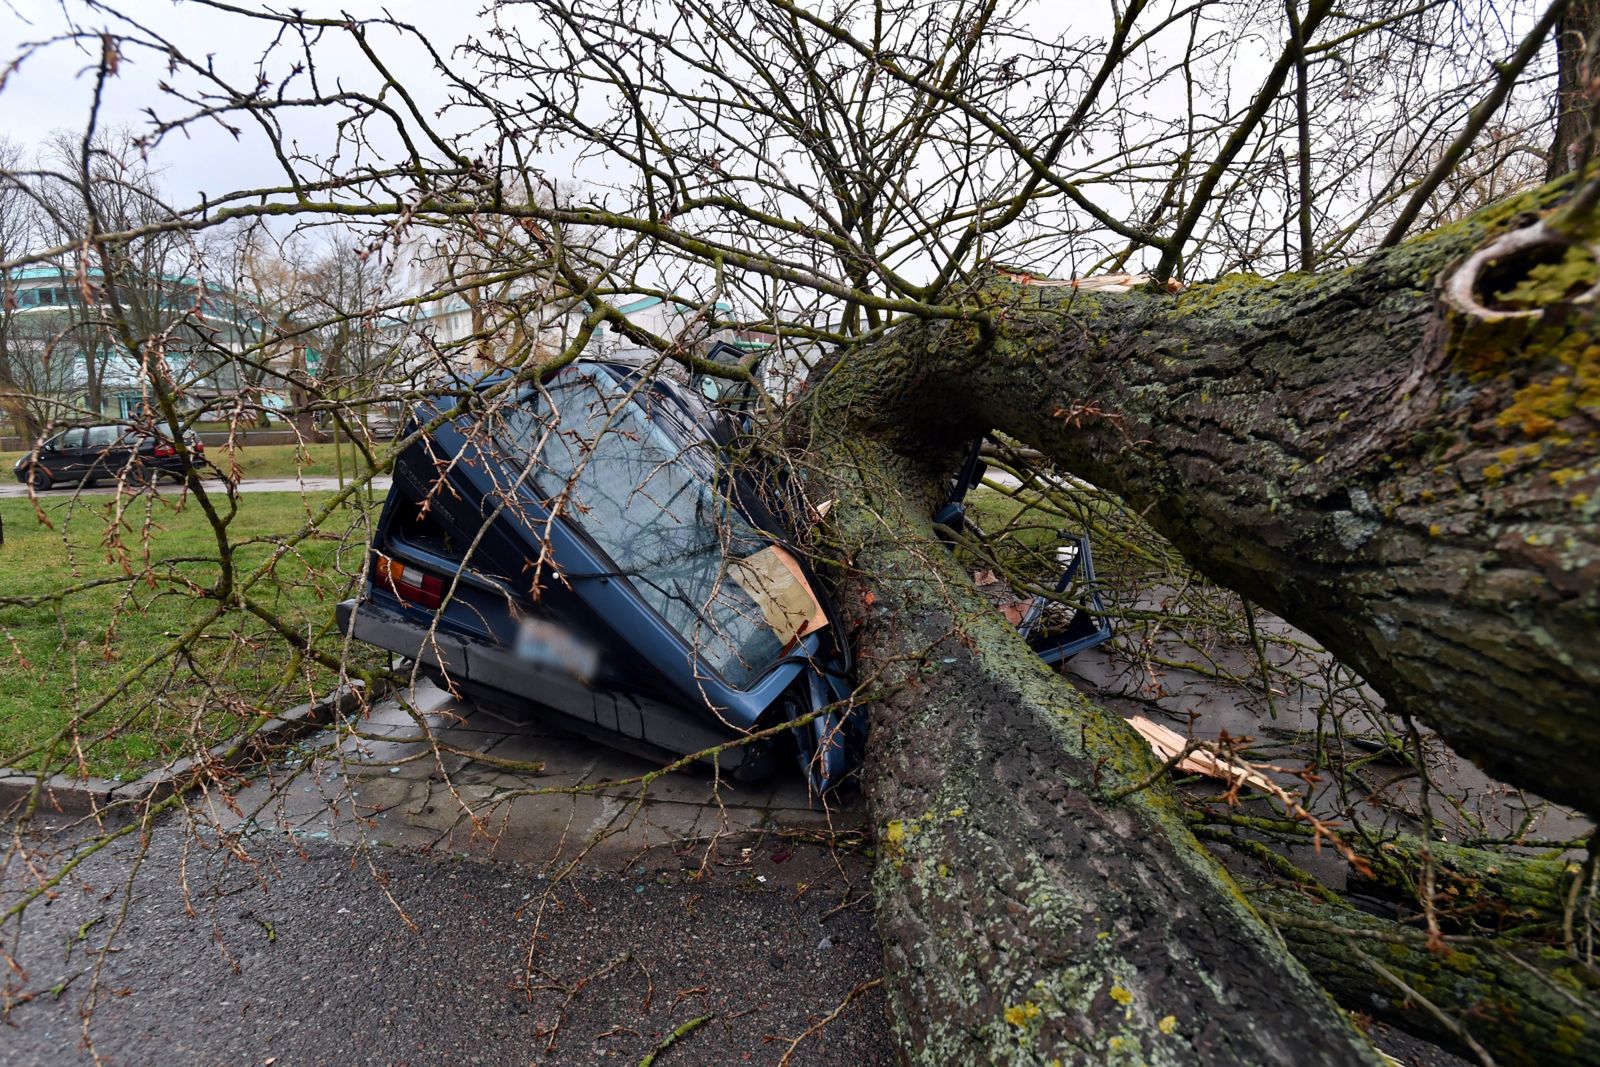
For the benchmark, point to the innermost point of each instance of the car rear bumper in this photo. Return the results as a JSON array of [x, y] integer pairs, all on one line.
[[634, 722]]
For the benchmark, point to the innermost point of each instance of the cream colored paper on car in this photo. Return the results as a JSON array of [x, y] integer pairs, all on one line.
[[773, 579]]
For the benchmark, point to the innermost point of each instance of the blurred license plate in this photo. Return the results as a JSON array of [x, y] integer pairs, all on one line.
[[556, 648]]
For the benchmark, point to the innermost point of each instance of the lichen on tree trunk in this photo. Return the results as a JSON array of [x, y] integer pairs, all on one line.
[[1412, 486], [1027, 919], [1415, 487]]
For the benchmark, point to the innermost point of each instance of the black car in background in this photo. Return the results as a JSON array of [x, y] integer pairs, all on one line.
[[87, 454]]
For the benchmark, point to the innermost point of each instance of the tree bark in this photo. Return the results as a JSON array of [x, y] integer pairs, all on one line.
[[13, 403], [1414, 484], [1523, 1004], [1574, 36], [1519, 999], [1475, 890], [1028, 916], [1410, 479], [300, 413]]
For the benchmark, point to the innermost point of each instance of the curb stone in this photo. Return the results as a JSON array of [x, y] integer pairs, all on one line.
[[67, 795]]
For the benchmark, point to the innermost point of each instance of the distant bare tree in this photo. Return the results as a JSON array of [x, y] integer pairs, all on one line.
[[18, 236]]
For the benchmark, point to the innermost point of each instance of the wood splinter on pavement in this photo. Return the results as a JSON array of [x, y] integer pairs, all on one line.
[[1168, 743]]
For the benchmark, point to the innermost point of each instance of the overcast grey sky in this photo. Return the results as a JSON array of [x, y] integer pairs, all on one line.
[[53, 88]]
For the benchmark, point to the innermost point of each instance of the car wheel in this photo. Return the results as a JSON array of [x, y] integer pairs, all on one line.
[[758, 764], [40, 479]]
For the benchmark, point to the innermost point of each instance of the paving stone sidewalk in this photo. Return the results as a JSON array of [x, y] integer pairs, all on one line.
[[396, 903], [464, 784]]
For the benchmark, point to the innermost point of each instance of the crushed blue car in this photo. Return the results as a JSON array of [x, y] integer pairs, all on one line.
[[583, 545]]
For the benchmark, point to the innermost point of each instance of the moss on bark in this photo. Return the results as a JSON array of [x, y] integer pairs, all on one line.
[[1026, 918], [1322, 444], [1524, 1004], [1414, 486]]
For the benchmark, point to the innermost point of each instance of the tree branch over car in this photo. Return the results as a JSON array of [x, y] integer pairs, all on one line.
[[1395, 454]]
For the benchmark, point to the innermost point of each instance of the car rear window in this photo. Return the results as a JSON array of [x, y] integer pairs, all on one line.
[[649, 503]]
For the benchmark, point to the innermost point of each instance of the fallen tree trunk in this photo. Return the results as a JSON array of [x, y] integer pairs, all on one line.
[[1519, 999], [1522, 1004], [1347, 450], [1475, 890], [1400, 458], [1029, 914]]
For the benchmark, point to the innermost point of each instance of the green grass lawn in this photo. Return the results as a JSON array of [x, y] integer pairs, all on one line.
[[289, 461], [60, 658], [268, 461], [1023, 530]]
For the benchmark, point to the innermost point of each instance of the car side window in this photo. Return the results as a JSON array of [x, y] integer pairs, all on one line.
[[102, 436], [72, 439]]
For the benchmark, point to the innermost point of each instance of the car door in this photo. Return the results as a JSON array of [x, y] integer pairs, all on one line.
[[100, 459], [44, 460], [67, 462], [122, 450]]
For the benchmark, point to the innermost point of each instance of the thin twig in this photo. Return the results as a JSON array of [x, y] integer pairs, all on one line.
[[682, 1031]]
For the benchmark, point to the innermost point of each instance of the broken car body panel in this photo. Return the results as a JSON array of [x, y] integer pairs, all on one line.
[[583, 544], [670, 612], [1087, 625]]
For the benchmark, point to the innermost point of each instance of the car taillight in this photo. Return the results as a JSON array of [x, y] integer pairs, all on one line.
[[409, 583], [164, 450]]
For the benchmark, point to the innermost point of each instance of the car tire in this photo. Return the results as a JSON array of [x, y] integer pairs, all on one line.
[[40, 479], [759, 764]]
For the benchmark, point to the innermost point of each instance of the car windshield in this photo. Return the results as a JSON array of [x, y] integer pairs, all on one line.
[[736, 599]]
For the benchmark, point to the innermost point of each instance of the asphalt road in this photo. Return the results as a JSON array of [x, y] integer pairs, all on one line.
[[249, 485], [314, 953], [367, 901], [400, 906]]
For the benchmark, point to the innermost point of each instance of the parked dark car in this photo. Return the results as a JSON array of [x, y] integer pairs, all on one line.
[[86, 454], [583, 545]]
